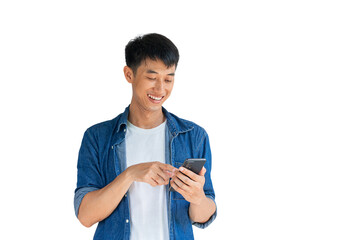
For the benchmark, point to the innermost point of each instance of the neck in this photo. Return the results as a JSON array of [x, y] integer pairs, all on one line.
[[145, 119]]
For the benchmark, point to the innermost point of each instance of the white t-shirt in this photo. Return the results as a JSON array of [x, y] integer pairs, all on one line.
[[148, 206]]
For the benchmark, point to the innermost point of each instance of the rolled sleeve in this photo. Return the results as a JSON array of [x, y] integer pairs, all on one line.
[[88, 175], [79, 194], [211, 219], [205, 152]]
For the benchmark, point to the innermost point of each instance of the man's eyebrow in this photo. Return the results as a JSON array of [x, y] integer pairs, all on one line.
[[153, 72]]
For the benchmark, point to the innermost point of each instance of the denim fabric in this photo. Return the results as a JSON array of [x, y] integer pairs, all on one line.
[[102, 157]]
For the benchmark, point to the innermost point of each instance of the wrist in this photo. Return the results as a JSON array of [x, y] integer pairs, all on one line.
[[201, 201], [129, 174]]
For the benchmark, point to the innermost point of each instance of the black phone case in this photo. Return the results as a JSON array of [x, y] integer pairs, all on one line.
[[194, 164]]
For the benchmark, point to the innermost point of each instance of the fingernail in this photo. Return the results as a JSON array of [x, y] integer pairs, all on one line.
[[182, 169]]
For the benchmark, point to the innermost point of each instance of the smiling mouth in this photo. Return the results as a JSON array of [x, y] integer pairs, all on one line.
[[155, 98]]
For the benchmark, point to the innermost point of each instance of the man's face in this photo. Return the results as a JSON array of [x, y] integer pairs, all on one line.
[[151, 84]]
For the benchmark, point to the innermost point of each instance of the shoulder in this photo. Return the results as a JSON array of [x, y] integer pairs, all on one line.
[[187, 126], [103, 128], [190, 134], [102, 134]]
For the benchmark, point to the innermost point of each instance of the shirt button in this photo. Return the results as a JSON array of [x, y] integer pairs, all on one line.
[[124, 130], [125, 195], [127, 220]]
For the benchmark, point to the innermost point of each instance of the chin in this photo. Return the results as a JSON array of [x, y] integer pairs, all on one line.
[[155, 108]]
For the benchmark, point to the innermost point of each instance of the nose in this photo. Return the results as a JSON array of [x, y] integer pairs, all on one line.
[[159, 85]]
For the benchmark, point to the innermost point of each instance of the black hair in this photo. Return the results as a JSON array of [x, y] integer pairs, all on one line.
[[154, 46]]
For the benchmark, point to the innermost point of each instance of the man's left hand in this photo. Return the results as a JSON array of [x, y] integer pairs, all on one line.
[[189, 185]]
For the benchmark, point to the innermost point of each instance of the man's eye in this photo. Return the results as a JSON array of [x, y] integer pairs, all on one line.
[[151, 78], [168, 80]]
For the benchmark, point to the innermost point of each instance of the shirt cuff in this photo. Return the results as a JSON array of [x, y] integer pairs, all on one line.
[[211, 219], [79, 194]]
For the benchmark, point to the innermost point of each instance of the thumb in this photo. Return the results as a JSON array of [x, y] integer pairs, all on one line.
[[203, 171]]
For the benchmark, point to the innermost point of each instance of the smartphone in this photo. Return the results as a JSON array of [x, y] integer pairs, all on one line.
[[193, 164]]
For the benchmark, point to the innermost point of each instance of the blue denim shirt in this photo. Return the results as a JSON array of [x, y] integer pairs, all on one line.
[[102, 157]]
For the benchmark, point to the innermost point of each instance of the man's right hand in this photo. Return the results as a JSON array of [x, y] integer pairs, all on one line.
[[153, 173]]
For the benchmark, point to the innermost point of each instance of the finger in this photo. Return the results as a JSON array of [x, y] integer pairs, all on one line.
[[179, 186], [160, 180], [183, 181], [152, 182], [165, 178], [158, 176], [203, 171], [174, 186], [186, 180], [161, 173], [170, 174], [189, 173], [165, 170], [167, 167]]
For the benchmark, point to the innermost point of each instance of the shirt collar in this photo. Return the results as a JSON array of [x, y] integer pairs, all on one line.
[[175, 124]]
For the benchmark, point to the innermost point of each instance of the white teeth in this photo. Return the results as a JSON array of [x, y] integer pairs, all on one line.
[[155, 98]]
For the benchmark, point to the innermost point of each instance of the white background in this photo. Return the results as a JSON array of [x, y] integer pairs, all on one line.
[[269, 80]]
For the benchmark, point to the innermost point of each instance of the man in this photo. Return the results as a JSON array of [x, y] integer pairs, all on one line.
[[125, 164]]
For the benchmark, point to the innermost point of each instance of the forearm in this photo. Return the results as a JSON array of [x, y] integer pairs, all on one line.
[[99, 204], [202, 212]]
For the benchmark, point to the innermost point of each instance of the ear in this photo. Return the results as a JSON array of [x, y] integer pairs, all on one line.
[[128, 74]]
